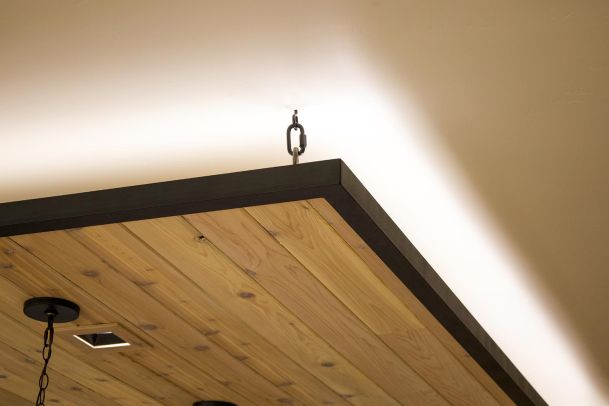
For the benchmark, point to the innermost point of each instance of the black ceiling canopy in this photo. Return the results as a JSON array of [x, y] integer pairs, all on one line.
[[331, 180]]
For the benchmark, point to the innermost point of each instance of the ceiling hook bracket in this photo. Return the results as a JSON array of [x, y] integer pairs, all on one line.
[[296, 151]]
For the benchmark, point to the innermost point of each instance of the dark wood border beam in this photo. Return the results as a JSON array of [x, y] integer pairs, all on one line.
[[331, 180]]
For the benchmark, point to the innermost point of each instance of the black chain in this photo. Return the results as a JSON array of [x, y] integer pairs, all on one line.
[[47, 349], [303, 137]]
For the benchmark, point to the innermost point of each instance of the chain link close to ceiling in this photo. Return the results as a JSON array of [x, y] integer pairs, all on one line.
[[296, 151]]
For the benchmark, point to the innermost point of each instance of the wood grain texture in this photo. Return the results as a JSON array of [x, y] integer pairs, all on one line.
[[299, 228], [308, 315], [249, 245], [25, 386], [75, 262], [28, 340], [266, 305], [226, 283], [9, 398], [134, 259], [378, 267], [163, 364], [17, 364]]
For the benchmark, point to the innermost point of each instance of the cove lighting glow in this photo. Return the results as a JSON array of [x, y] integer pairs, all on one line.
[[154, 102]]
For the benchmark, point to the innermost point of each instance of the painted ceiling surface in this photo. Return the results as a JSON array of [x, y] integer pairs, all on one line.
[[481, 128]]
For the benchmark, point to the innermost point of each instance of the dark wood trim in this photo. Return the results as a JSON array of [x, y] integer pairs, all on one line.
[[331, 180], [357, 206], [216, 192]]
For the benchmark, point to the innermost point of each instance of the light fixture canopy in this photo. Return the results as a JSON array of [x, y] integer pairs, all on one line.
[[39, 308]]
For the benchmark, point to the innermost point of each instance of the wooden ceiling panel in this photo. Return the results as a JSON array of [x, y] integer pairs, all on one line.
[[392, 283], [298, 227], [274, 304], [10, 398], [94, 275], [276, 270], [325, 332], [232, 288], [163, 281], [115, 374]]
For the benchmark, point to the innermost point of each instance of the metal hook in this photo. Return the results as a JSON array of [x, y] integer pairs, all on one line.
[[302, 139], [295, 117]]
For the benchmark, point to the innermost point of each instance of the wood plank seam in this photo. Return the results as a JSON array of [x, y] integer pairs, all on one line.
[[334, 220], [64, 348], [326, 287], [380, 280], [293, 232], [76, 389], [196, 232], [154, 300], [295, 316], [216, 336], [188, 363], [353, 318]]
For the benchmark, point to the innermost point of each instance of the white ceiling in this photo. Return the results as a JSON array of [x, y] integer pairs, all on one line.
[[481, 127]]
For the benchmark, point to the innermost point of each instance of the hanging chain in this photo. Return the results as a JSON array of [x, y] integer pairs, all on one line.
[[47, 349], [296, 151]]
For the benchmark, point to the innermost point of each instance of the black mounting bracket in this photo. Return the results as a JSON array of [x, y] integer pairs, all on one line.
[[39, 308]]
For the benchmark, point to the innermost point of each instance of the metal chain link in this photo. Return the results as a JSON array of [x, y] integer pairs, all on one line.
[[47, 350], [295, 152]]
